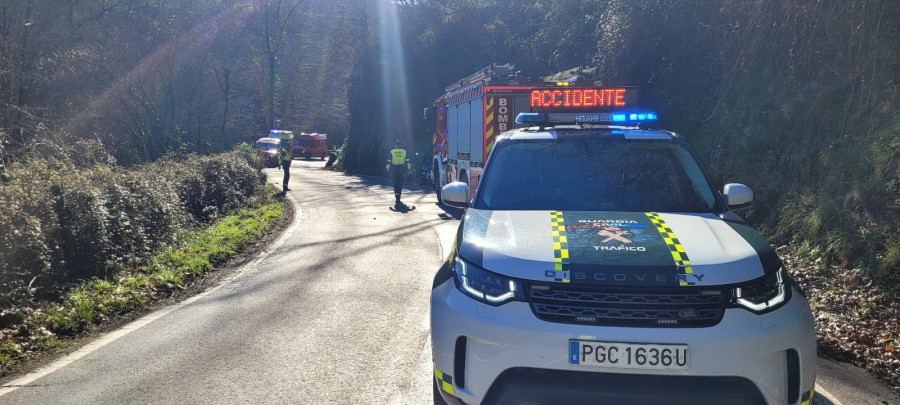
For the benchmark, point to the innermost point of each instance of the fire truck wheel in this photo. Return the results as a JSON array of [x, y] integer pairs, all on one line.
[[437, 181]]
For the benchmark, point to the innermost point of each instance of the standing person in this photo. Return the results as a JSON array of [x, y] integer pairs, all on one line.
[[398, 165], [287, 156]]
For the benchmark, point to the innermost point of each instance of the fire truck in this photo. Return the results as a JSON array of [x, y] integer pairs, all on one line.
[[311, 145], [473, 111]]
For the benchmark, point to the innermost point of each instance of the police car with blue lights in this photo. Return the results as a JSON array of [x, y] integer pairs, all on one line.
[[596, 263]]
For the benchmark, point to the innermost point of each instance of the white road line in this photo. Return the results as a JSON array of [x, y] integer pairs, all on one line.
[[147, 319]]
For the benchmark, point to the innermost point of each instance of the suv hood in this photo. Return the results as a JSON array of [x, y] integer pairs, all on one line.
[[615, 248]]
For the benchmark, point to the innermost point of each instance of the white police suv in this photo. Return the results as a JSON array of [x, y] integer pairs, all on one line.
[[596, 264]]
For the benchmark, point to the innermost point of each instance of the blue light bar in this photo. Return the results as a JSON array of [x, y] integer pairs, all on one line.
[[527, 118], [586, 118], [638, 117]]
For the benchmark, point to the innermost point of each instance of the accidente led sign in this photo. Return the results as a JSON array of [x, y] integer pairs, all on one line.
[[578, 98]]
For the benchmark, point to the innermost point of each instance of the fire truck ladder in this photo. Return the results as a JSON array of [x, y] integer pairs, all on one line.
[[491, 72]]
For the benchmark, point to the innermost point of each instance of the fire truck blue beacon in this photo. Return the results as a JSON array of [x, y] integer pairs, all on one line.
[[596, 262]]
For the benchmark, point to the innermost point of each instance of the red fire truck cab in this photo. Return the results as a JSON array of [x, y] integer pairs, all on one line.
[[309, 145]]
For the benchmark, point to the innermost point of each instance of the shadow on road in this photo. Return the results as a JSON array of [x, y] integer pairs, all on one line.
[[450, 215], [410, 190], [820, 400], [450, 212]]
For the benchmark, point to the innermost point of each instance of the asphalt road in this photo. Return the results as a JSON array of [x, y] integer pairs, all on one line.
[[333, 312]]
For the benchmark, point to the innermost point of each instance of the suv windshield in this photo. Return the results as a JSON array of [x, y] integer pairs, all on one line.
[[603, 173]]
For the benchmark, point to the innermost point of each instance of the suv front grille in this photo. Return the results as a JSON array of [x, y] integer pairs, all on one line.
[[609, 306]]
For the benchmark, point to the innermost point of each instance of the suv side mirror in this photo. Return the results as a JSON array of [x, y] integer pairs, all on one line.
[[456, 194], [737, 195]]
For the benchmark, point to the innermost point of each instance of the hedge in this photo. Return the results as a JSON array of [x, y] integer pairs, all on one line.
[[73, 216]]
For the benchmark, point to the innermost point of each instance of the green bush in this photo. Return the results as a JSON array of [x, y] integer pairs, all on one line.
[[83, 236], [143, 214], [93, 301], [28, 242], [213, 186], [77, 216]]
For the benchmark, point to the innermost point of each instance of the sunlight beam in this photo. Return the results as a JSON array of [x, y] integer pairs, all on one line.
[[395, 102]]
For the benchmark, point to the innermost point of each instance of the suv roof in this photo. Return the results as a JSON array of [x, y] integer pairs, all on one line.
[[554, 132]]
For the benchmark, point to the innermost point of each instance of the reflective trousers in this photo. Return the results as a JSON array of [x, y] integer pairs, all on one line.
[[398, 173]]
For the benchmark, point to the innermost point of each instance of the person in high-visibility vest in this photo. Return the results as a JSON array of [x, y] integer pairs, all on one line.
[[398, 165], [286, 154]]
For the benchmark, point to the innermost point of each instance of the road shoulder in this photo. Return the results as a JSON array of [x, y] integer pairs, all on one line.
[[846, 384]]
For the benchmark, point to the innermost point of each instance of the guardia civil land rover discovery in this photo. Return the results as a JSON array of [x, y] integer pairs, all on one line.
[[596, 264]]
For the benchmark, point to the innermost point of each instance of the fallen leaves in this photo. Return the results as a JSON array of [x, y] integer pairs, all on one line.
[[856, 320]]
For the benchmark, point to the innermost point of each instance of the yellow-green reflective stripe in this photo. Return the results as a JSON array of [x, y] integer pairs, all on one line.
[[446, 381], [675, 248], [807, 397], [560, 245]]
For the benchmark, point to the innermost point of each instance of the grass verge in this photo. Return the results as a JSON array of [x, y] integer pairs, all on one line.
[[51, 326]]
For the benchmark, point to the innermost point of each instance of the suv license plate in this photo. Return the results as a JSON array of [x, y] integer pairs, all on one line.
[[629, 355]]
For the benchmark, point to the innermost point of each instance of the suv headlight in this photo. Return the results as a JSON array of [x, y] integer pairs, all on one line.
[[764, 294], [485, 286]]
